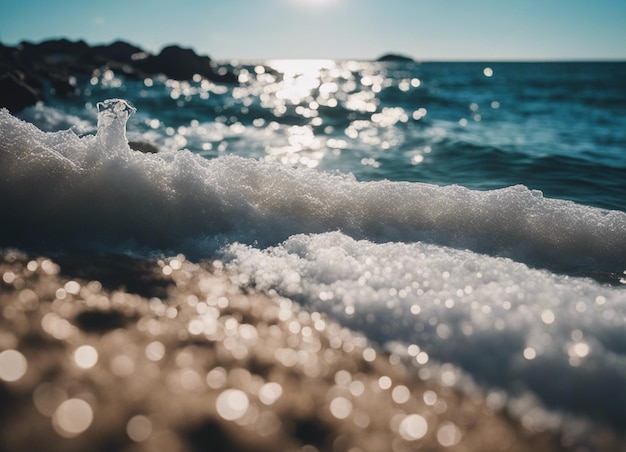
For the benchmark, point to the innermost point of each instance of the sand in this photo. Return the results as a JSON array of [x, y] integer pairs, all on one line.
[[107, 353]]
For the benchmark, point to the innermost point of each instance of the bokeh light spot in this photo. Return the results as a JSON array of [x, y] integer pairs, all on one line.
[[448, 434], [139, 428], [155, 351], [340, 407], [270, 393], [400, 394], [413, 427], [13, 365], [232, 404], [72, 417], [85, 356]]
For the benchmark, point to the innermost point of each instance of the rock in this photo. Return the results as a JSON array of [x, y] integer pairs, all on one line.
[[118, 51], [16, 94], [55, 49], [391, 57], [178, 63], [20, 86], [57, 62], [143, 146], [63, 85]]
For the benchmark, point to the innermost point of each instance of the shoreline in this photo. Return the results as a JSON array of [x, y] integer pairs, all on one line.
[[195, 362]]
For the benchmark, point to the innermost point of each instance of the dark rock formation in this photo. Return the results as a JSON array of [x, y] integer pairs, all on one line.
[[13, 61], [16, 93], [27, 69], [177, 63], [118, 51], [144, 146], [391, 57], [55, 49]]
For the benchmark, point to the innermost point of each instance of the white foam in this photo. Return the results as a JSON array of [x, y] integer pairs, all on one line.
[[506, 324], [65, 189]]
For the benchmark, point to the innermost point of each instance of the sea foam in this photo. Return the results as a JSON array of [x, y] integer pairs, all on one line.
[[60, 189], [507, 325]]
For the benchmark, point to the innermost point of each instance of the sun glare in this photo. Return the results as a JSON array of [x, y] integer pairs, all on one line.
[[315, 2]]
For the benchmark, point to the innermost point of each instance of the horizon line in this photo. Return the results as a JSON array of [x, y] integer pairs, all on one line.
[[581, 59]]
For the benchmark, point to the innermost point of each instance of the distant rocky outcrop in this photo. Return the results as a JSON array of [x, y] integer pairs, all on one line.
[[177, 63], [392, 57], [15, 91], [27, 69]]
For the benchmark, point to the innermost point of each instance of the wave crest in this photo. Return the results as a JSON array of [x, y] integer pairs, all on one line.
[[63, 190]]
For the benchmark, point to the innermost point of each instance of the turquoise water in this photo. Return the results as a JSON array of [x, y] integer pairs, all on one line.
[[554, 127]]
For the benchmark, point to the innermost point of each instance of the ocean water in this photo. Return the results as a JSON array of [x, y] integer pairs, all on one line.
[[463, 213]]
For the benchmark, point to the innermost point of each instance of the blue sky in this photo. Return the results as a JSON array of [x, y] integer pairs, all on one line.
[[485, 30]]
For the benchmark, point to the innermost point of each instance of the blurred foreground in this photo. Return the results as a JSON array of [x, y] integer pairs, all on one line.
[[182, 360]]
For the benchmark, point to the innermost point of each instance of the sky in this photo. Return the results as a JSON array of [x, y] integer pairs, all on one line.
[[427, 30]]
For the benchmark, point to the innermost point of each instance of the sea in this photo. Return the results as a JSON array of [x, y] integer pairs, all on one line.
[[471, 215]]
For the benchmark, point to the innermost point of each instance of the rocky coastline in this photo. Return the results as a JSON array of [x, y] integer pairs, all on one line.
[[32, 72], [29, 72]]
